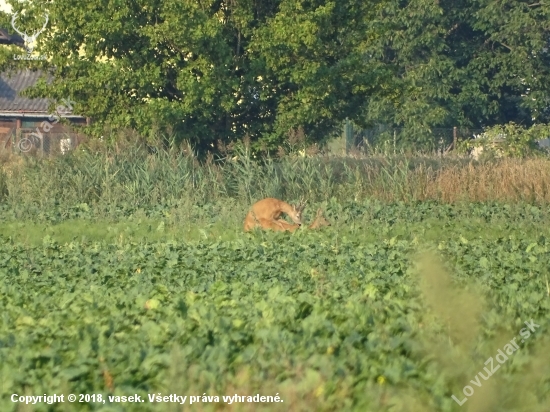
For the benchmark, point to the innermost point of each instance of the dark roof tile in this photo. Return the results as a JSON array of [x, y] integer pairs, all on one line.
[[13, 83]]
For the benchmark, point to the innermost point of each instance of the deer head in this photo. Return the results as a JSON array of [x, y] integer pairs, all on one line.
[[298, 209], [29, 40], [319, 221]]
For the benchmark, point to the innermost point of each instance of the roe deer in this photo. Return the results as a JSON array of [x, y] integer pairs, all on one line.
[[318, 222], [281, 225], [265, 214]]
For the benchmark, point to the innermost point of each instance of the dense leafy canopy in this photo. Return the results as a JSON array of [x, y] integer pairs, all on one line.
[[218, 70]]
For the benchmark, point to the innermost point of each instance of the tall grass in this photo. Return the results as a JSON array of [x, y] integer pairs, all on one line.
[[133, 178]]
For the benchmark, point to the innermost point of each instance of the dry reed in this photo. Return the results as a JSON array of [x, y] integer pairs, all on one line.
[[506, 180], [133, 174]]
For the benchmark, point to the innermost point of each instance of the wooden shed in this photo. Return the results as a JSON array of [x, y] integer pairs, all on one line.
[[27, 125]]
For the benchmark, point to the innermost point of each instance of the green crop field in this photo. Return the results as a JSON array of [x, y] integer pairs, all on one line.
[[112, 288]]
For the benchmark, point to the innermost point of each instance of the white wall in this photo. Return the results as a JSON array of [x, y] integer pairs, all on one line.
[[5, 7]]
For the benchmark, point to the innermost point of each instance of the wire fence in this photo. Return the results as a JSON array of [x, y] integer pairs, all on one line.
[[29, 141], [379, 140], [388, 140]]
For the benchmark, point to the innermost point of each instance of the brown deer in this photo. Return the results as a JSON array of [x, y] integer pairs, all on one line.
[[318, 222], [253, 220], [266, 213]]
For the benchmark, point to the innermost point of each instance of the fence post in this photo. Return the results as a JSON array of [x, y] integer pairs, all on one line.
[[454, 137], [17, 140], [348, 132]]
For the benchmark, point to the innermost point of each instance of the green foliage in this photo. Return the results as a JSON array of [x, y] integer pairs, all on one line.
[[129, 181], [510, 140], [218, 71], [129, 273], [315, 52], [320, 317], [3, 186], [209, 72], [465, 63], [223, 220]]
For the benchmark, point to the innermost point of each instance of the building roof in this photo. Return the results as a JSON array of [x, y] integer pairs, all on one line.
[[6, 38], [11, 84]]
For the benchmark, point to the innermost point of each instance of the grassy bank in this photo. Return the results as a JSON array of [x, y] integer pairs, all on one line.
[[110, 185], [367, 220]]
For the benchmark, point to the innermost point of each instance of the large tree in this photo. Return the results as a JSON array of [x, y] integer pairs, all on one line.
[[219, 70], [464, 63], [210, 70]]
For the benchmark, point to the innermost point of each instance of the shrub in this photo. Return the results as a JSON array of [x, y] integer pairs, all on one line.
[[509, 140]]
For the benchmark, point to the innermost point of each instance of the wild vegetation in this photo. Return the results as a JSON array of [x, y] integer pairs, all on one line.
[[327, 321], [128, 272], [125, 269], [125, 179]]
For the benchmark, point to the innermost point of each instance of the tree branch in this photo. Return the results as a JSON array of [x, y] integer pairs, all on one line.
[[505, 45], [493, 41]]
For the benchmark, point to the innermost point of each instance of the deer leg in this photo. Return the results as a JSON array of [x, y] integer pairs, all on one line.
[[287, 226]]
